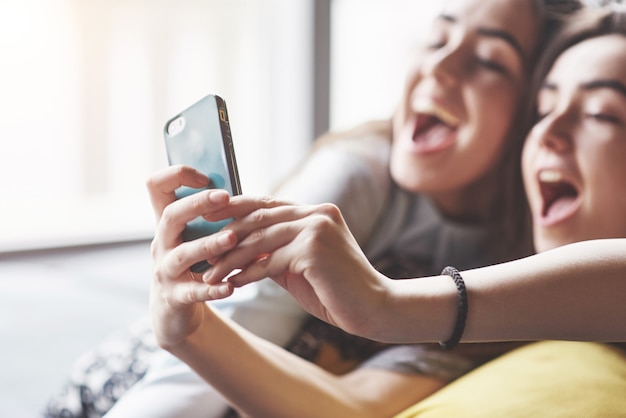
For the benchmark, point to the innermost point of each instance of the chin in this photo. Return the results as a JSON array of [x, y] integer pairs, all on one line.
[[406, 177], [545, 243]]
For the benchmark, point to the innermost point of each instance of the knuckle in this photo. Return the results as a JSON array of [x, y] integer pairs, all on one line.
[[257, 235], [160, 279], [168, 215], [189, 296], [259, 216], [210, 250], [197, 201], [178, 258], [267, 200], [330, 210], [208, 246], [327, 216], [180, 170], [270, 202], [213, 293], [317, 229]]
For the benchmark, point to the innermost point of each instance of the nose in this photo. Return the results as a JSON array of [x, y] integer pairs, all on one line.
[[554, 132], [444, 64]]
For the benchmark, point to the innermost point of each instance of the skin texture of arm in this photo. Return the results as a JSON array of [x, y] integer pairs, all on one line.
[[263, 380], [572, 292]]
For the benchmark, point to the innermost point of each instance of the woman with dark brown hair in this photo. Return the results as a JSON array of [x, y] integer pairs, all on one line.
[[573, 174], [437, 173]]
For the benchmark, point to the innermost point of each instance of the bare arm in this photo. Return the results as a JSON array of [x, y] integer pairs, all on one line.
[[263, 380], [573, 292], [259, 378], [310, 251]]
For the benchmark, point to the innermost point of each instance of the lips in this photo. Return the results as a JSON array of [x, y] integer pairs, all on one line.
[[560, 197]]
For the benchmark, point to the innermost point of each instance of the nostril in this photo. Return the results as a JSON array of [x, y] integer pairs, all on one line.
[[554, 131], [556, 142]]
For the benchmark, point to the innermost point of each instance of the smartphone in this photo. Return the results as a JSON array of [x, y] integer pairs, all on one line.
[[200, 137]]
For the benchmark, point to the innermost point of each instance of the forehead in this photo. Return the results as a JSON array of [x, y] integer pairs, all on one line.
[[603, 57], [518, 17]]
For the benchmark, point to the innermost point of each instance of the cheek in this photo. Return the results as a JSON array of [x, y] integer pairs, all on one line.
[[606, 210], [603, 173], [605, 181], [494, 109], [490, 124]]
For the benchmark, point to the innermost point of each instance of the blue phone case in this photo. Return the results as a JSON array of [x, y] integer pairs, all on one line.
[[200, 137]]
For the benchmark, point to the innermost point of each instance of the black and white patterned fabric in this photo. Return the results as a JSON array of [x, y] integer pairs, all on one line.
[[101, 376]]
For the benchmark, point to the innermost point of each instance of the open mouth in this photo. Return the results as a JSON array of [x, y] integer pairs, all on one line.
[[433, 131], [560, 197]]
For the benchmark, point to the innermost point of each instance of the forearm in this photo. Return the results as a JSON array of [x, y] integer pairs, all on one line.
[[574, 292], [259, 378]]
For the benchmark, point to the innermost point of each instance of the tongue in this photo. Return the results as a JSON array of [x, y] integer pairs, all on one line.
[[433, 137], [560, 208]]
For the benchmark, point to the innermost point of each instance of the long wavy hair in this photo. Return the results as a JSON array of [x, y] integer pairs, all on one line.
[[511, 215]]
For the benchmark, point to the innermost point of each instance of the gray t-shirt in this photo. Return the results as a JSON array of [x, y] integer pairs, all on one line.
[[402, 234], [354, 174]]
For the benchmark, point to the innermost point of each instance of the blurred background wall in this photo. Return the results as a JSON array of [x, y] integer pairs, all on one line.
[[87, 85], [85, 89]]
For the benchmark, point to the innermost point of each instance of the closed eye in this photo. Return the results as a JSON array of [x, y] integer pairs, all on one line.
[[492, 65], [604, 117], [433, 46]]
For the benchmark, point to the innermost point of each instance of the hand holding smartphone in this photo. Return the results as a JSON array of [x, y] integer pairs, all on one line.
[[200, 137]]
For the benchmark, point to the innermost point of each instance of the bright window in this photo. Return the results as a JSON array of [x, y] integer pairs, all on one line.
[[86, 87], [372, 42]]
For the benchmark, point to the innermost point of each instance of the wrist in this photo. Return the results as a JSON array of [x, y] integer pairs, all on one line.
[[417, 310], [178, 330]]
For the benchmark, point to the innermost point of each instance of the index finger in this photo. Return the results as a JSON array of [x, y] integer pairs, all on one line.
[[162, 184], [243, 205]]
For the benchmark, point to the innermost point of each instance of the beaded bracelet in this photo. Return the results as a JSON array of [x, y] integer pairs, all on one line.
[[461, 315]]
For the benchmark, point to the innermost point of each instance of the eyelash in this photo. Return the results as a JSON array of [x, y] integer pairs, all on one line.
[[492, 65], [436, 45], [603, 117], [486, 63], [600, 117]]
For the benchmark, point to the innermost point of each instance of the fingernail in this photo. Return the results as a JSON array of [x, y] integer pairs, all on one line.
[[218, 196]]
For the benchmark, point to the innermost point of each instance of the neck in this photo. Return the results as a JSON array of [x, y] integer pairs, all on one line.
[[474, 203]]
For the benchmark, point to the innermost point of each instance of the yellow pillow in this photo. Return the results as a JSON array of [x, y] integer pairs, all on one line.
[[545, 379]]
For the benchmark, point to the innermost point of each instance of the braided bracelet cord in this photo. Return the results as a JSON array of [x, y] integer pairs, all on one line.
[[461, 315]]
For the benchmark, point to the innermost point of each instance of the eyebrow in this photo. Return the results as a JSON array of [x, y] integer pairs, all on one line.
[[493, 33], [611, 84]]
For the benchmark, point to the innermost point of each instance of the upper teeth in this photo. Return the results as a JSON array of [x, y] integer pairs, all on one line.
[[423, 106], [550, 176]]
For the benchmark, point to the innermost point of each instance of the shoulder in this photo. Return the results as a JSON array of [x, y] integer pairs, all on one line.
[[370, 140]]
